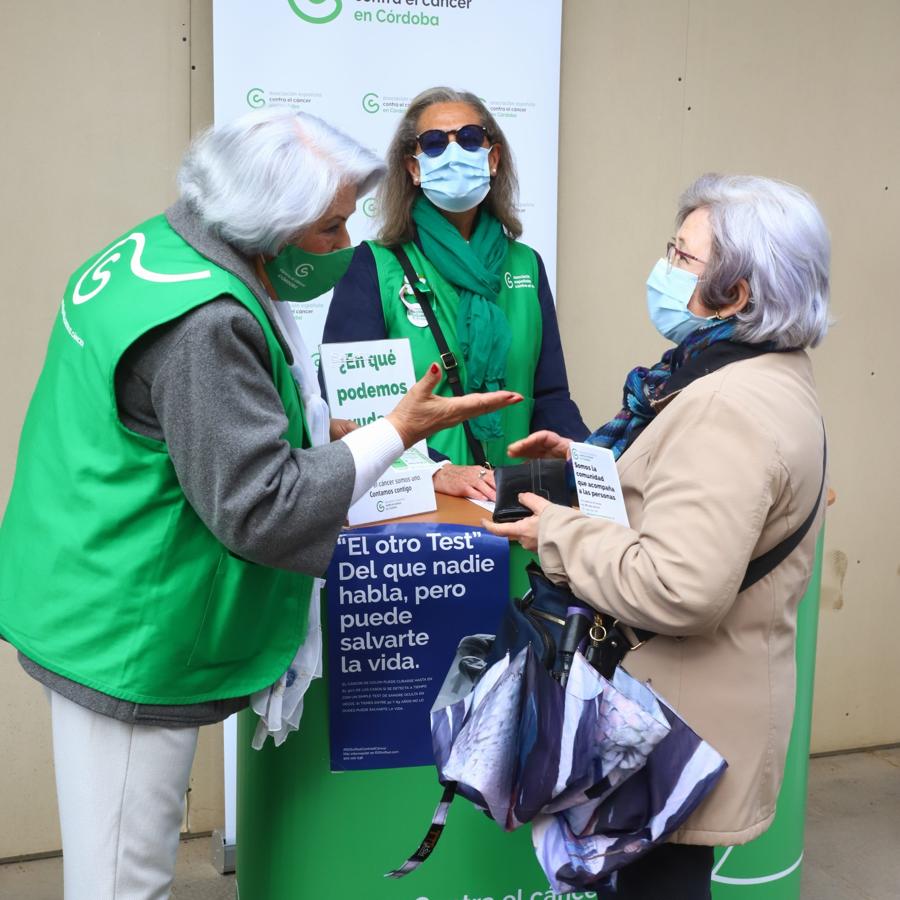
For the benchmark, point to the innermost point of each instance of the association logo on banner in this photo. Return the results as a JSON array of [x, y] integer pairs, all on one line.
[[511, 109], [374, 103], [258, 97], [321, 12], [316, 12]]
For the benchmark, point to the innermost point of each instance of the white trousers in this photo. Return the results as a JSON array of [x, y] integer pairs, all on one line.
[[121, 791]]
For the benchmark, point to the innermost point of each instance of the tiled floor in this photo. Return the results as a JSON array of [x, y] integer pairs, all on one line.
[[852, 841]]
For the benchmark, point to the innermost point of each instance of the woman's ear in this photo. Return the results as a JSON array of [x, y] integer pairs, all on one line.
[[412, 166], [741, 294], [494, 159]]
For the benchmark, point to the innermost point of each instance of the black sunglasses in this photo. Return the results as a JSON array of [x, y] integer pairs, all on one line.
[[434, 141]]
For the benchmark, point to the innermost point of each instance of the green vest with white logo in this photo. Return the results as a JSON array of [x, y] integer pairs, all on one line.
[[107, 575], [518, 299]]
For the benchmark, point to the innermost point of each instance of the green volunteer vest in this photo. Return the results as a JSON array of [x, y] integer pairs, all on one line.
[[518, 299], [107, 575]]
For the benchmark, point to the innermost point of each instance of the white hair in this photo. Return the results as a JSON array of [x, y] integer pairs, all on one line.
[[771, 234], [259, 181]]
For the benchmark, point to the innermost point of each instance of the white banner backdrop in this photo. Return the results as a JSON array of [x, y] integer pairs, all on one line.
[[358, 63]]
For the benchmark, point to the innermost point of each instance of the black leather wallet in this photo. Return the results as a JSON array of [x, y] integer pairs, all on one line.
[[545, 477]]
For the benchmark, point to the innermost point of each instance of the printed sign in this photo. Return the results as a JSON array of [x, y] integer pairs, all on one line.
[[406, 489], [285, 53], [364, 381], [400, 598], [597, 481]]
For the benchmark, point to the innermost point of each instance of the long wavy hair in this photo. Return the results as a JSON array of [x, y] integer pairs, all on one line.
[[397, 193]]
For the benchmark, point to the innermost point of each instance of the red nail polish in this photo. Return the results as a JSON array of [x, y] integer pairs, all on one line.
[[434, 369]]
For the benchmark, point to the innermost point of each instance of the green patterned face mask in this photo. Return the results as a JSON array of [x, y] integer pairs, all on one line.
[[298, 275]]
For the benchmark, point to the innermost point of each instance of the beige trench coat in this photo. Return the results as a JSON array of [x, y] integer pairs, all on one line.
[[729, 467]]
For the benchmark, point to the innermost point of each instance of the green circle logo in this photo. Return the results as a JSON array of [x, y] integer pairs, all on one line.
[[256, 97], [370, 103], [316, 18], [369, 207]]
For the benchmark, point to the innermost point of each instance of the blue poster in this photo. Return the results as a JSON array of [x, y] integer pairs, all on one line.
[[400, 598]]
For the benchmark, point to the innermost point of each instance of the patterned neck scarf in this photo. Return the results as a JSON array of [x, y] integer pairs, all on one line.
[[473, 268], [643, 386]]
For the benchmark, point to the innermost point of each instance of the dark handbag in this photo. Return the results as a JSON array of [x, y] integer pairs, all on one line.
[[556, 624], [544, 477]]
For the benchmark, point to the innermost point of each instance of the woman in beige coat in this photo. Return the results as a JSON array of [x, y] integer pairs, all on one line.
[[718, 465]]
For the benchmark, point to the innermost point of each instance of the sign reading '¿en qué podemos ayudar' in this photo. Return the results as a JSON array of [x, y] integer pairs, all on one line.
[[400, 598], [365, 380]]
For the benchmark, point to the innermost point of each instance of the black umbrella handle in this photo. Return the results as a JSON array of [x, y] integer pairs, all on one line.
[[574, 632]]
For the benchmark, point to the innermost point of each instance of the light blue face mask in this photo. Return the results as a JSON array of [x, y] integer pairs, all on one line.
[[668, 295], [457, 180]]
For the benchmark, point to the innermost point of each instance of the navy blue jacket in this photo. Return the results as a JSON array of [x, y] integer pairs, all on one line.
[[356, 314]]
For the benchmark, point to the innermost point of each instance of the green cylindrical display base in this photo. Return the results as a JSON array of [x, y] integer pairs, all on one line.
[[306, 832]]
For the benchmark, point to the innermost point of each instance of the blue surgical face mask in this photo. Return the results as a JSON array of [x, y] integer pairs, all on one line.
[[457, 180], [668, 295]]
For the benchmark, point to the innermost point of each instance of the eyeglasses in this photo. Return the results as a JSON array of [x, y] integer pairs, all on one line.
[[674, 253], [434, 141]]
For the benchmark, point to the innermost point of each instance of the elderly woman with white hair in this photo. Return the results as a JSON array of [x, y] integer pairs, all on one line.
[[720, 450], [176, 491]]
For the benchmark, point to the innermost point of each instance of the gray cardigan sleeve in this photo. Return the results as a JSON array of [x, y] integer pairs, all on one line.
[[203, 385]]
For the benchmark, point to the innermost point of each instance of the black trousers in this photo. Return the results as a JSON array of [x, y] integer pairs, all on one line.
[[667, 872]]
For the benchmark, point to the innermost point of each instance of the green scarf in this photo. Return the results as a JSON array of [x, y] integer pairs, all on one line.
[[473, 268]]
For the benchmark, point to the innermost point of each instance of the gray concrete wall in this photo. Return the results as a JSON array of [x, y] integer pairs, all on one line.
[[102, 97]]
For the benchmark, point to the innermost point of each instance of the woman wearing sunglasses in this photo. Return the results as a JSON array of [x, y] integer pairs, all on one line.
[[448, 206]]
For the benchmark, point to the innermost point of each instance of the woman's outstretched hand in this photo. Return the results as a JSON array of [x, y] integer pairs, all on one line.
[[541, 445], [421, 413]]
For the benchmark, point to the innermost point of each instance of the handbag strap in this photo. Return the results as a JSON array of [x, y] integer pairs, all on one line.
[[762, 565], [448, 358], [432, 836], [610, 642]]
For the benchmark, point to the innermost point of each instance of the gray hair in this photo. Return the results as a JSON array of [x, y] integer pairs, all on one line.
[[397, 193], [259, 181], [772, 234]]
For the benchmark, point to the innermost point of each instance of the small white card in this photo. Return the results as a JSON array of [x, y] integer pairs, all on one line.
[[406, 489], [597, 481], [364, 381]]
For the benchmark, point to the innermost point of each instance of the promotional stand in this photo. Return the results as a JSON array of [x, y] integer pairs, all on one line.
[[305, 831]]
